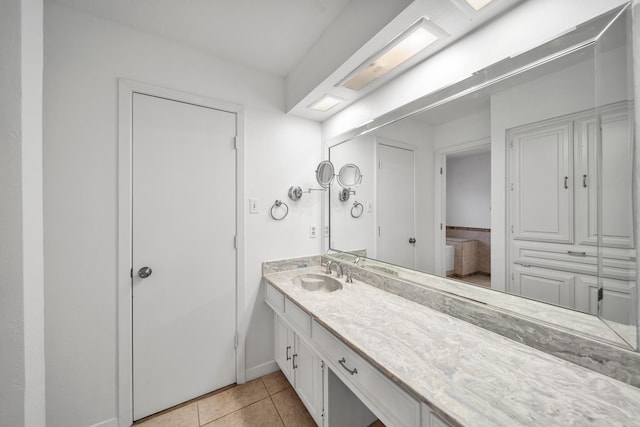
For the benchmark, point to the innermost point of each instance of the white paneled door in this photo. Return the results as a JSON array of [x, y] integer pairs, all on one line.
[[396, 210], [184, 222], [542, 182]]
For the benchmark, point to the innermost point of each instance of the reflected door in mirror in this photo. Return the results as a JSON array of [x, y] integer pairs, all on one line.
[[395, 196]]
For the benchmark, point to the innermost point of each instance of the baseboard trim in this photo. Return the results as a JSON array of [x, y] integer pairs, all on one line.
[[260, 370], [113, 422]]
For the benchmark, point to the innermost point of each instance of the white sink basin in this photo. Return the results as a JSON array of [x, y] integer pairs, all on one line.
[[314, 282]]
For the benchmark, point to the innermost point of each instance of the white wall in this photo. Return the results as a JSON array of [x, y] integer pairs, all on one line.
[[349, 233], [12, 370], [22, 399], [463, 130], [469, 191], [84, 56]]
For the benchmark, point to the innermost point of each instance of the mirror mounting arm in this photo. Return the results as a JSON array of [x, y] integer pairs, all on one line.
[[296, 192]]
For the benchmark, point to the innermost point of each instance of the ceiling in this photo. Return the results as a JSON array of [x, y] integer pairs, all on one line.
[[268, 35], [313, 44]]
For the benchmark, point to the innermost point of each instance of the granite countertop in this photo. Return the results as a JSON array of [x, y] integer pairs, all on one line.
[[585, 324], [473, 375]]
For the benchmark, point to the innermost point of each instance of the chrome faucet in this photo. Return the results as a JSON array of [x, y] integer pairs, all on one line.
[[357, 260], [339, 273], [328, 271]]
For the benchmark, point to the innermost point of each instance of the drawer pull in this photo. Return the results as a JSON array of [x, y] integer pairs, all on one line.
[[288, 348], [575, 253], [294, 362], [343, 362]]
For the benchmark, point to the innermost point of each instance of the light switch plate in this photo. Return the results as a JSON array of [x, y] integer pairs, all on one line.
[[254, 206]]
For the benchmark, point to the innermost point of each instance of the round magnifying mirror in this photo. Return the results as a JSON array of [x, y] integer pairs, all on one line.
[[349, 176], [325, 173]]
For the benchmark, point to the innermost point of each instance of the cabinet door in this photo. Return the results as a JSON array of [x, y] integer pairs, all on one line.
[[308, 378], [284, 348], [615, 167], [430, 419], [546, 285], [541, 182], [618, 298]]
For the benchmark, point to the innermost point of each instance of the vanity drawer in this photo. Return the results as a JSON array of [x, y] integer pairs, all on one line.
[[615, 264], [274, 298], [300, 320], [388, 401]]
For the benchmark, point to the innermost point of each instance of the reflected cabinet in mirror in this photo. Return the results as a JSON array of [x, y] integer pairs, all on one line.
[[518, 179]]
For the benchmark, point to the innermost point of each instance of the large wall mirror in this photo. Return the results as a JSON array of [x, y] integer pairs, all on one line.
[[517, 179]]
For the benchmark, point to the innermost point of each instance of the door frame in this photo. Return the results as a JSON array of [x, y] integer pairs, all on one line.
[[126, 89], [440, 197]]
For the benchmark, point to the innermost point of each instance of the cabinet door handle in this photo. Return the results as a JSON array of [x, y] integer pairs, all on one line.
[[343, 362], [288, 348], [294, 362], [566, 182], [584, 181], [575, 253]]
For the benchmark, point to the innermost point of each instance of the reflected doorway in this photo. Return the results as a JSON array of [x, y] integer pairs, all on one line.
[[466, 181]]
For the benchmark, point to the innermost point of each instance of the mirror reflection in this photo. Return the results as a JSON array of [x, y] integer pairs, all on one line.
[[522, 186], [349, 176], [325, 174]]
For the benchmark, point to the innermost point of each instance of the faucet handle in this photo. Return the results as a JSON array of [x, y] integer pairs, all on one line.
[[349, 278]]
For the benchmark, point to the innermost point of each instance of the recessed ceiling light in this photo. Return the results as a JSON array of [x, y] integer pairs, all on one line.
[[405, 46], [325, 103], [478, 4]]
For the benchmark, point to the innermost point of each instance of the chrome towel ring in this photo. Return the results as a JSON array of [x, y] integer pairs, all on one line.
[[357, 209], [278, 204]]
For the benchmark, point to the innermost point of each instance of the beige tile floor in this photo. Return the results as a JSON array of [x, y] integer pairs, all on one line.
[[266, 401], [478, 279]]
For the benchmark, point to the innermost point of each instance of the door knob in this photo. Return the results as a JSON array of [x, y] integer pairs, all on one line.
[[412, 240], [145, 272]]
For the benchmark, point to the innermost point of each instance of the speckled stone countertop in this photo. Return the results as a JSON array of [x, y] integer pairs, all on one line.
[[474, 376]]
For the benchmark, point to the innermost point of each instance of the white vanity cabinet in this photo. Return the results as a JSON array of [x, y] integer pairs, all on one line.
[[387, 400], [553, 187], [284, 347], [311, 358], [302, 367], [430, 419]]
